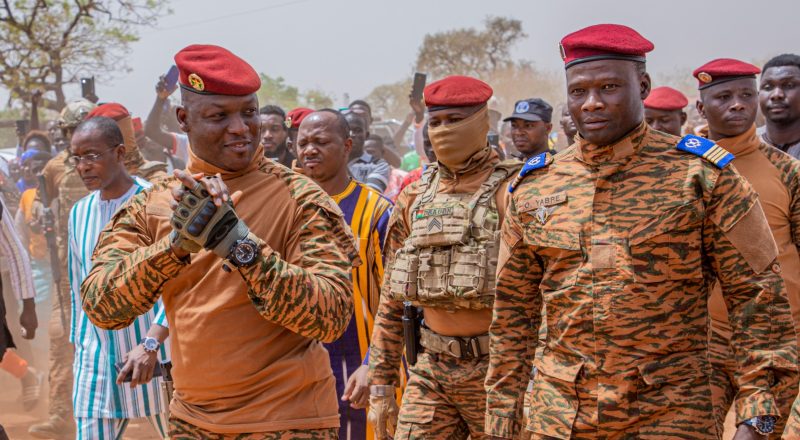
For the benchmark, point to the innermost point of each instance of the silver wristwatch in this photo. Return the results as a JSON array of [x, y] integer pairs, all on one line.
[[151, 345], [763, 425]]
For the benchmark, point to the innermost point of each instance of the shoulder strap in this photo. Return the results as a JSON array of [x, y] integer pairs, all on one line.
[[534, 163], [705, 148], [428, 184], [482, 200]]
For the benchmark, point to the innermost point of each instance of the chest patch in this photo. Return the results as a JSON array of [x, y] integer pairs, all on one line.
[[543, 201], [434, 212]]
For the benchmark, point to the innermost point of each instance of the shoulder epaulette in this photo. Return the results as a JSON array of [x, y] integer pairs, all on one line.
[[706, 149], [534, 163]]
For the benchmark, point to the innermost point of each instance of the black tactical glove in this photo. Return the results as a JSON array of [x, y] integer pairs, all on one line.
[[198, 223]]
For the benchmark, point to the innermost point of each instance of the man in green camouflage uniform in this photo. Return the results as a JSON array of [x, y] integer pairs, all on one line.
[[442, 245]]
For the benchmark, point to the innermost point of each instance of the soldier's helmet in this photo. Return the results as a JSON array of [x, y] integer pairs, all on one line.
[[74, 113]]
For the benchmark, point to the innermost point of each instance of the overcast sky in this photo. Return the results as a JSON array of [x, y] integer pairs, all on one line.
[[351, 46]]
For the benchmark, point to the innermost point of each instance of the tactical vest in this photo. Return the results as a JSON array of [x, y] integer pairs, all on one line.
[[450, 258]]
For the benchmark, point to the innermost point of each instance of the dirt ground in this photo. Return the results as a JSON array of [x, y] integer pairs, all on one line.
[[16, 421], [12, 416]]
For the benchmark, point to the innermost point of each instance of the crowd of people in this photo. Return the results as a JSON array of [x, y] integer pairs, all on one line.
[[229, 269]]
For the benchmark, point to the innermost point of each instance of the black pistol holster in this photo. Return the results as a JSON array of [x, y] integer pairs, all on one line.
[[412, 321]]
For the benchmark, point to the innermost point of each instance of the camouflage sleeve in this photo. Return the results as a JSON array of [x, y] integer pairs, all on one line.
[[386, 348], [310, 293], [792, 430], [129, 270], [51, 173], [743, 254], [792, 172], [515, 327], [789, 169]]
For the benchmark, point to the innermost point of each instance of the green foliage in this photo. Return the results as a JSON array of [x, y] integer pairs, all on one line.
[[46, 44], [317, 99], [390, 101], [275, 91], [470, 51], [485, 54]]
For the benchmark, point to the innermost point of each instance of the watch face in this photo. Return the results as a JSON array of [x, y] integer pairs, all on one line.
[[766, 424], [150, 344], [245, 252]]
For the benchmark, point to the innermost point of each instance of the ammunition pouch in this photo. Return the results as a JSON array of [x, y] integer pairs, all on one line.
[[449, 259]]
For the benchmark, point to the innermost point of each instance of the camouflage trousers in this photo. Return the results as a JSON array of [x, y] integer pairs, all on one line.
[[724, 389], [181, 430], [62, 353], [444, 399]]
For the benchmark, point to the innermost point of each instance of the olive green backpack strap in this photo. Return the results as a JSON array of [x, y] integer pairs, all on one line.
[[482, 201], [428, 184]]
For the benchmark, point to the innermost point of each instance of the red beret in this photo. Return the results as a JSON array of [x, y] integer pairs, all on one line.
[[111, 110], [138, 128], [723, 70], [212, 70], [604, 42], [296, 116], [666, 98], [456, 91]]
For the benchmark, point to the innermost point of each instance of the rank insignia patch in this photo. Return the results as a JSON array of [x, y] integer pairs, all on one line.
[[706, 149]]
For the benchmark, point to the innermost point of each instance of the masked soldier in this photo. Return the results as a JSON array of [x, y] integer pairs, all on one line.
[[441, 254], [620, 239]]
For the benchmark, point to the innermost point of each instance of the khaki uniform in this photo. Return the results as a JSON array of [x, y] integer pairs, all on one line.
[[622, 244], [180, 430], [441, 251], [775, 176], [246, 348]]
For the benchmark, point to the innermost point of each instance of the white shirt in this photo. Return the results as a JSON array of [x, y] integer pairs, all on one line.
[[96, 393]]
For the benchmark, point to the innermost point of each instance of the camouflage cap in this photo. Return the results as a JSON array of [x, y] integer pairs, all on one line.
[[74, 113]]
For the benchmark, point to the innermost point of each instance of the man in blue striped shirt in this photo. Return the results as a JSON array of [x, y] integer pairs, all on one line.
[[103, 404]]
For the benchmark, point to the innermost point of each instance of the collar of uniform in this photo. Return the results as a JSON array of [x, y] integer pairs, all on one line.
[[486, 158], [620, 151], [741, 145]]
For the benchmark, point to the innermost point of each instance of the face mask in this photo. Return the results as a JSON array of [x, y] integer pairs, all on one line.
[[455, 143]]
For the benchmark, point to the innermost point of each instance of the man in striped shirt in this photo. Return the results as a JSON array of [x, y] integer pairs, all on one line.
[[15, 362], [323, 148], [103, 404]]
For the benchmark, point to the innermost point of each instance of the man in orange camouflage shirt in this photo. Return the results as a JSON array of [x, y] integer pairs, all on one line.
[[619, 239], [729, 102], [252, 281]]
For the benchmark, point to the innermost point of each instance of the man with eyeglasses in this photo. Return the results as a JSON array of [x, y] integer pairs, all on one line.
[[369, 170], [65, 185], [103, 399]]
